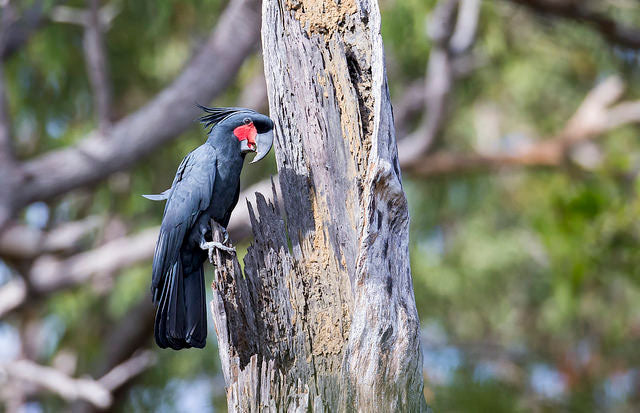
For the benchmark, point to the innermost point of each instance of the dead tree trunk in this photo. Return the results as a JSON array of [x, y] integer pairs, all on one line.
[[324, 317]]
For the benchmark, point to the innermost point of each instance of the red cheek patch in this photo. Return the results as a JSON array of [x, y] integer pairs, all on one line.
[[246, 132]]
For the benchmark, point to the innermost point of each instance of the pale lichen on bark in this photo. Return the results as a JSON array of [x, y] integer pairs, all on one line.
[[325, 316]]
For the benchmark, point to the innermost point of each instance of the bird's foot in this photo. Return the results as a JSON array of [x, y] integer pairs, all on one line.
[[226, 235], [209, 246]]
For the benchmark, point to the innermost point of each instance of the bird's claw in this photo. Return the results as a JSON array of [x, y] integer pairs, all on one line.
[[214, 244], [226, 235]]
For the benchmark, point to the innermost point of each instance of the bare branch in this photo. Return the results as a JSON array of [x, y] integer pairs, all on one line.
[[70, 15], [254, 94], [80, 17], [464, 35], [593, 118], [443, 163], [24, 242], [97, 392], [97, 66], [57, 382], [129, 369], [452, 29], [49, 274], [610, 29]]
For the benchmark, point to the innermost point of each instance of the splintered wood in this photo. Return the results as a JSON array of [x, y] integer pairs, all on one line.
[[324, 317]]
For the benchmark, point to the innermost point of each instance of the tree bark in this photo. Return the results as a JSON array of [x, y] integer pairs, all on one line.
[[324, 317]]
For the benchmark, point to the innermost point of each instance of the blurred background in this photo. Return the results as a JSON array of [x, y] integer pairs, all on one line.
[[517, 123]]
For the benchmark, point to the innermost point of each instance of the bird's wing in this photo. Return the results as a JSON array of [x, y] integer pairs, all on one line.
[[190, 194]]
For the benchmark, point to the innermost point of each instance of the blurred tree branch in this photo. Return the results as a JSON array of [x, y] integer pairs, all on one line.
[[593, 118], [21, 242], [12, 294], [609, 28], [127, 370], [50, 274], [97, 66], [97, 392], [452, 29], [254, 94], [95, 20], [103, 15], [138, 134]]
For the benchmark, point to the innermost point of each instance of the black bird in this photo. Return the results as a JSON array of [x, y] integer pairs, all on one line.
[[206, 186]]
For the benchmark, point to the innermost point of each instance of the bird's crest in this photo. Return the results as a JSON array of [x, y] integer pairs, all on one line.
[[216, 115]]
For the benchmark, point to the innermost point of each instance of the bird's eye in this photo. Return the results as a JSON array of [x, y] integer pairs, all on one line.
[[247, 121]]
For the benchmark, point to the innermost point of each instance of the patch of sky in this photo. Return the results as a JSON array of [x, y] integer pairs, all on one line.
[[547, 381], [440, 364], [50, 334], [9, 342], [53, 82], [629, 56], [458, 193], [37, 215], [32, 407], [433, 245], [486, 371], [619, 386], [433, 334], [56, 127], [5, 273]]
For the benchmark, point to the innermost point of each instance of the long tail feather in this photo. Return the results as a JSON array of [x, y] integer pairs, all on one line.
[[181, 315]]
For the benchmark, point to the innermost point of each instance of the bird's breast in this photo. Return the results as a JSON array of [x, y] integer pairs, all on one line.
[[224, 191]]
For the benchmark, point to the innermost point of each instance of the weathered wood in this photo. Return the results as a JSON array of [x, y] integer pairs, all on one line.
[[324, 317]]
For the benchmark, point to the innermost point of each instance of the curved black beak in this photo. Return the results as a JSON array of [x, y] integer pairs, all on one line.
[[264, 141]]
